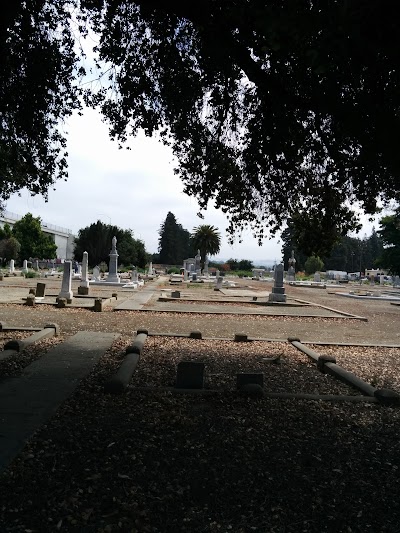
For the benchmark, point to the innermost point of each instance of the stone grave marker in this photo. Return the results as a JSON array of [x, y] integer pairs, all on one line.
[[96, 273], [113, 264], [83, 288], [40, 290], [278, 290], [190, 375], [66, 286], [220, 279], [134, 275]]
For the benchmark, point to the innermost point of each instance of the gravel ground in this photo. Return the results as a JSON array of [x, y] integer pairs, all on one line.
[[159, 462]]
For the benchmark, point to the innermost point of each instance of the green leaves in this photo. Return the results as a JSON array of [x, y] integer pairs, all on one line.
[[96, 240], [33, 241], [390, 233], [207, 239], [174, 243]]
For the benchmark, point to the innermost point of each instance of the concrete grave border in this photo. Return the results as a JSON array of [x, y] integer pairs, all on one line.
[[326, 364], [119, 381]]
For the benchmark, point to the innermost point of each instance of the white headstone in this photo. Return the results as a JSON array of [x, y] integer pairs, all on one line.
[[25, 266], [66, 286], [12, 266], [150, 272], [96, 273], [113, 264], [205, 270], [198, 262], [84, 275], [134, 275], [317, 277]]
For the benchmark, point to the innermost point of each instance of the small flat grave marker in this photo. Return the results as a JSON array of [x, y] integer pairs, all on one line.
[[190, 375]]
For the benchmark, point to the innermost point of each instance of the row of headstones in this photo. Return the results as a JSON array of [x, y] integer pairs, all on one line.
[[24, 269], [278, 290]]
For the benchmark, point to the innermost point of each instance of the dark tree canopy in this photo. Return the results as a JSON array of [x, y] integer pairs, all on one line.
[[96, 241], [207, 239], [351, 254], [273, 109], [390, 234], [34, 243], [38, 75], [174, 243]]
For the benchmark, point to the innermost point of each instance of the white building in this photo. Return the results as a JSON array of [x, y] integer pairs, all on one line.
[[62, 237]]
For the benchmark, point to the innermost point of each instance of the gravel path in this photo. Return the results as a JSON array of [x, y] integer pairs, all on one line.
[[159, 462]]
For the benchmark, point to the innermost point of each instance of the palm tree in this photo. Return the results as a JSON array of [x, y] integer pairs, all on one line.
[[207, 239]]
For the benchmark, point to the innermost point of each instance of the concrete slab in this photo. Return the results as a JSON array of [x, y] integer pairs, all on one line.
[[137, 302], [270, 310], [29, 401], [244, 292]]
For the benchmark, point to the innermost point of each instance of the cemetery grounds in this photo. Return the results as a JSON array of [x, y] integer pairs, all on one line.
[[156, 460]]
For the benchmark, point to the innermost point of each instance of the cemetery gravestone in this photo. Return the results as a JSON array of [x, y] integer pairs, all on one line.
[[84, 286], [113, 265], [291, 270], [66, 286], [278, 290], [40, 290], [134, 276], [96, 273]]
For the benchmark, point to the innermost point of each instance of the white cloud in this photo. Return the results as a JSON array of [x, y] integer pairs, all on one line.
[[132, 189]]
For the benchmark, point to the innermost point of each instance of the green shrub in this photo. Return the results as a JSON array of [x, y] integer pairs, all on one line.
[[174, 270], [31, 275]]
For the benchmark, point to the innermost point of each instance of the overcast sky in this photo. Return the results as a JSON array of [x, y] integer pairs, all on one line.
[[133, 189]]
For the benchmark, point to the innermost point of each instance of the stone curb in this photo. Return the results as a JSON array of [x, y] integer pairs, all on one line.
[[6, 327], [19, 345], [327, 365], [271, 395], [5, 354], [119, 381], [138, 343], [196, 335]]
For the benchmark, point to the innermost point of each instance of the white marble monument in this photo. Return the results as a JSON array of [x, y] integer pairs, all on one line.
[[85, 275], [66, 286], [113, 264]]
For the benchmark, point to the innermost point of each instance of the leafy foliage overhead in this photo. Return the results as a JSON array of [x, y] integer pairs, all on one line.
[[272, 108], [38, 90]]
